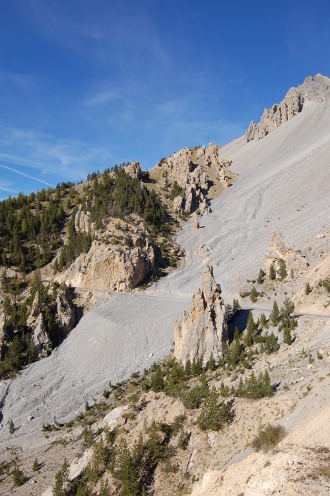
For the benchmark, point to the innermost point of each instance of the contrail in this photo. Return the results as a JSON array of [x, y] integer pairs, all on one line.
[[25, 175]]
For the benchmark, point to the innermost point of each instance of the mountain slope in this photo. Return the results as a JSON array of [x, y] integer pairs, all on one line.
[[283, 183]]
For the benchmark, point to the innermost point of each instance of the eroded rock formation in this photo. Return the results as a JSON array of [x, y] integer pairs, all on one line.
[[196, 171], [313, 89], [112, 262], [278, 250], [202, 331], [65, 321]]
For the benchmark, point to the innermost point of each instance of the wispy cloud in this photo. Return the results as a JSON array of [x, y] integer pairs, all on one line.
[[22, 81], [102, 97], [7, 186], [65, 159], [21, 173]]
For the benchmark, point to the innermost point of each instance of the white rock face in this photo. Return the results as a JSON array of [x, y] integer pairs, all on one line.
[[202, 331], [109, 269], [110, 264], [314, 89], [82, 222]]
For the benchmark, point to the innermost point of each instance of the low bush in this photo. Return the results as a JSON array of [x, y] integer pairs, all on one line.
[[269, 437]]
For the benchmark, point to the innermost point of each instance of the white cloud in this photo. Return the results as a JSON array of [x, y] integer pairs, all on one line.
[[66, 159]]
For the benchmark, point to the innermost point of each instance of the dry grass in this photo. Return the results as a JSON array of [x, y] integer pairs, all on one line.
[[269, 437]]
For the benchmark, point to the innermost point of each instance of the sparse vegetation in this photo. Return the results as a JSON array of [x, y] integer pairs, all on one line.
[[18, 476], [269, 437]]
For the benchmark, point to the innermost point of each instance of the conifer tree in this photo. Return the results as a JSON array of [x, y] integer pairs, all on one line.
[[251, 329], [261, 276], [157, 381], [282, 272], [287, 338], [272, 272], [275, 314]]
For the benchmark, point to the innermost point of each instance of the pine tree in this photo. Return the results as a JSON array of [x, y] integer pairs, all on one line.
[[307, 288], [11, 427], [275, 314], [61, 478], [254, 294], [263, 320], [35, 466], [157, 381], [261, 276], [287, 338], [282, 272], [272, 272], [211, 365], [236, 305], [213, 415], [187, 368], [287, 309], [18, 476], [251, 329]]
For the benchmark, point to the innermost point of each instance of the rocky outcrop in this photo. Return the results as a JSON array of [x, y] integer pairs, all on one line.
[[278, 250], [82, 222], [113, 263], [65, 313], [133, 169], [202, 331], [196, 171], [65, 321], [314, 89], [41, 341], [2, 323]]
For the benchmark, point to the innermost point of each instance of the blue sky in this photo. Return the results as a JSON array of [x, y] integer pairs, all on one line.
[[87, 84]]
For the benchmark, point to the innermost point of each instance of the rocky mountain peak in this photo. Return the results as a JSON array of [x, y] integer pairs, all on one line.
[[313, 90], [202, 331]]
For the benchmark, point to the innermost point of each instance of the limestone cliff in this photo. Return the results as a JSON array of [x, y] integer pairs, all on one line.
[[202, 331], [114, 262]]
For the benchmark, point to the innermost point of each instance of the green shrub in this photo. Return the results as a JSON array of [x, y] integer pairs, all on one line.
[[269, 437], [183, 440]]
